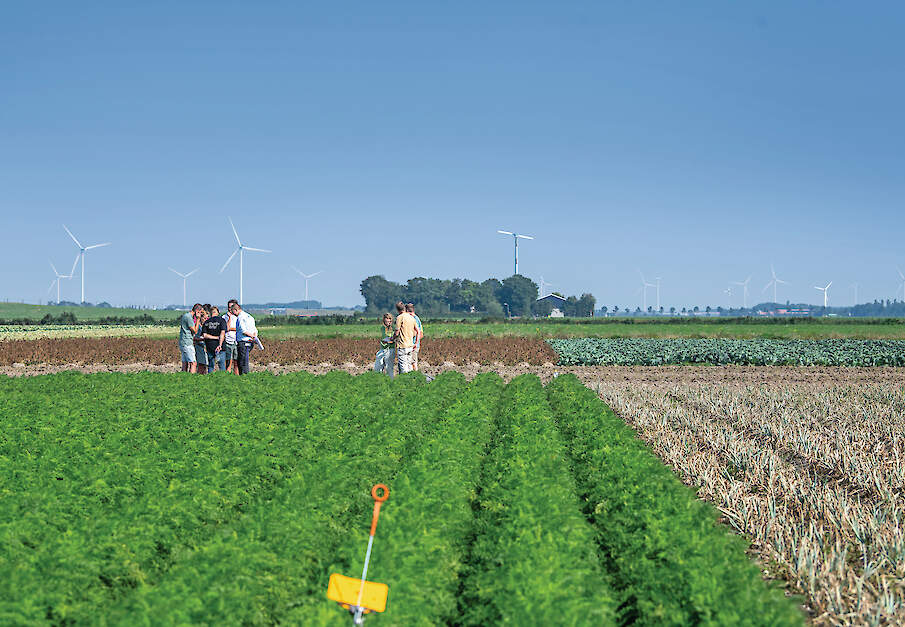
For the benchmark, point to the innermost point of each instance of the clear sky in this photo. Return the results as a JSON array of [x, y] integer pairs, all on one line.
[[698, 141]]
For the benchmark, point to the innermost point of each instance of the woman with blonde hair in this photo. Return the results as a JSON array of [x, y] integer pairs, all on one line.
[[386, 356]]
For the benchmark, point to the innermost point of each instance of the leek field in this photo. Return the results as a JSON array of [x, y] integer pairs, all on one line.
[[149, 498]]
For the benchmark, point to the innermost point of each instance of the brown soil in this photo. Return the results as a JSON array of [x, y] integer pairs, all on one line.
[[116, 351]]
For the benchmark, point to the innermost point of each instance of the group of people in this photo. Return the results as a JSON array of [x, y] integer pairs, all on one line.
[[400, 342], [209, 341]]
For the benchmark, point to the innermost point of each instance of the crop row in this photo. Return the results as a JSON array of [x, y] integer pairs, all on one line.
[[811, 473], [659, 542], [759, 352], [150, 498]]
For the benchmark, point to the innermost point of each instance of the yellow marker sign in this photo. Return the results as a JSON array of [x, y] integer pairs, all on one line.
[[344, 590]]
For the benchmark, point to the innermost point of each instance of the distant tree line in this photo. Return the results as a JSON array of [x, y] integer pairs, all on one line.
[[516, 296]]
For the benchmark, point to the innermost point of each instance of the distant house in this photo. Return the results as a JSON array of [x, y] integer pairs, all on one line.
[[556, 303]]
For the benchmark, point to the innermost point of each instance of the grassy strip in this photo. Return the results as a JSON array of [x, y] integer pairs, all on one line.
[[272, 565], [108, 479], [534, 559], [671, 563]]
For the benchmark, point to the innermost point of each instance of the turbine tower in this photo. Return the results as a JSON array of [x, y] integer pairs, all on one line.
[[728, 292], [61, 276], [542, 284], [855, 285], [82, 250], [901, 284], [644, 286], [307, 276], [515, 238], [658, 293], [241, 248], [744, 285], [824, 290], [774, 281], [184, 277]]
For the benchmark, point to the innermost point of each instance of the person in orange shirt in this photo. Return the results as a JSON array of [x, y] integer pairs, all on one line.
[[406, 331]]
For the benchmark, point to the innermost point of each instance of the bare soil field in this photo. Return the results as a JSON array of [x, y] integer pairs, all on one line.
[[114, 351]]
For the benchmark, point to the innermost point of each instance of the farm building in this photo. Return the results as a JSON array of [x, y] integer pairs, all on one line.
[[553, 302]]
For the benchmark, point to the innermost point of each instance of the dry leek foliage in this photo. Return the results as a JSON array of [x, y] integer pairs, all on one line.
[[812, 472]]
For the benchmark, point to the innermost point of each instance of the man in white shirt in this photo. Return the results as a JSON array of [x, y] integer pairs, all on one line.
[[246, 335], [229, 343]]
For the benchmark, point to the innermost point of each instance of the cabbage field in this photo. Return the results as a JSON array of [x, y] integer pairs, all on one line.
[[721, 351], [163, 499]]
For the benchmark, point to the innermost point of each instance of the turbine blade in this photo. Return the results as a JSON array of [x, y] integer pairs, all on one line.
[[179, 273], [228, 260], [315, 274], [506, 232], [257, 250], [524, 236], [192, 272], [73, 237], [74, 264], [767, 286], [297, 270], [238, 241], [901, 276], [52, 283], [828, 285], [54, 268], [97, 246]]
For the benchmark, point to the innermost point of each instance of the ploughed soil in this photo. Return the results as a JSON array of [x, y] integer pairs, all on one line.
[[121, 350]]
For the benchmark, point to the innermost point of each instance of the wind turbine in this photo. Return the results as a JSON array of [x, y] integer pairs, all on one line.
[[658, 293], [82, 250], [515, 238], [241, 248], [307, 276], [184, 277], [61, 276], [774, 282], [824, 290], [542, 284], [728, 292], [855, 285], [644, 286], [902, 284], [744, 285]]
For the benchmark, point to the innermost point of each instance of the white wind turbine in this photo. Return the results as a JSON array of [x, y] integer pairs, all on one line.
[[61, 276], [728, 292], [774, 281], [543, 284], [744, 285], [82, 250], [825, 290], [855, 285], [644, 286], [901, 284], [184, 277], [241, 248], [515, 238], [307, 276]]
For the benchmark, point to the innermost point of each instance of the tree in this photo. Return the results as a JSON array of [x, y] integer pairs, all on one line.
[[672, 310], [380, 295], [586, 305], [520, 292]]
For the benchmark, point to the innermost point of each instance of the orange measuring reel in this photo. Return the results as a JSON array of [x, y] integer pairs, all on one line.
[[360, 596]]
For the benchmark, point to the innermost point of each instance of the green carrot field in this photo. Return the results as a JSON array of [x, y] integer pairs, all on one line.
[[166, 499]]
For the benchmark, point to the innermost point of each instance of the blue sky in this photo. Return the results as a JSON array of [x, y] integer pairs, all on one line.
[[697, 141]]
